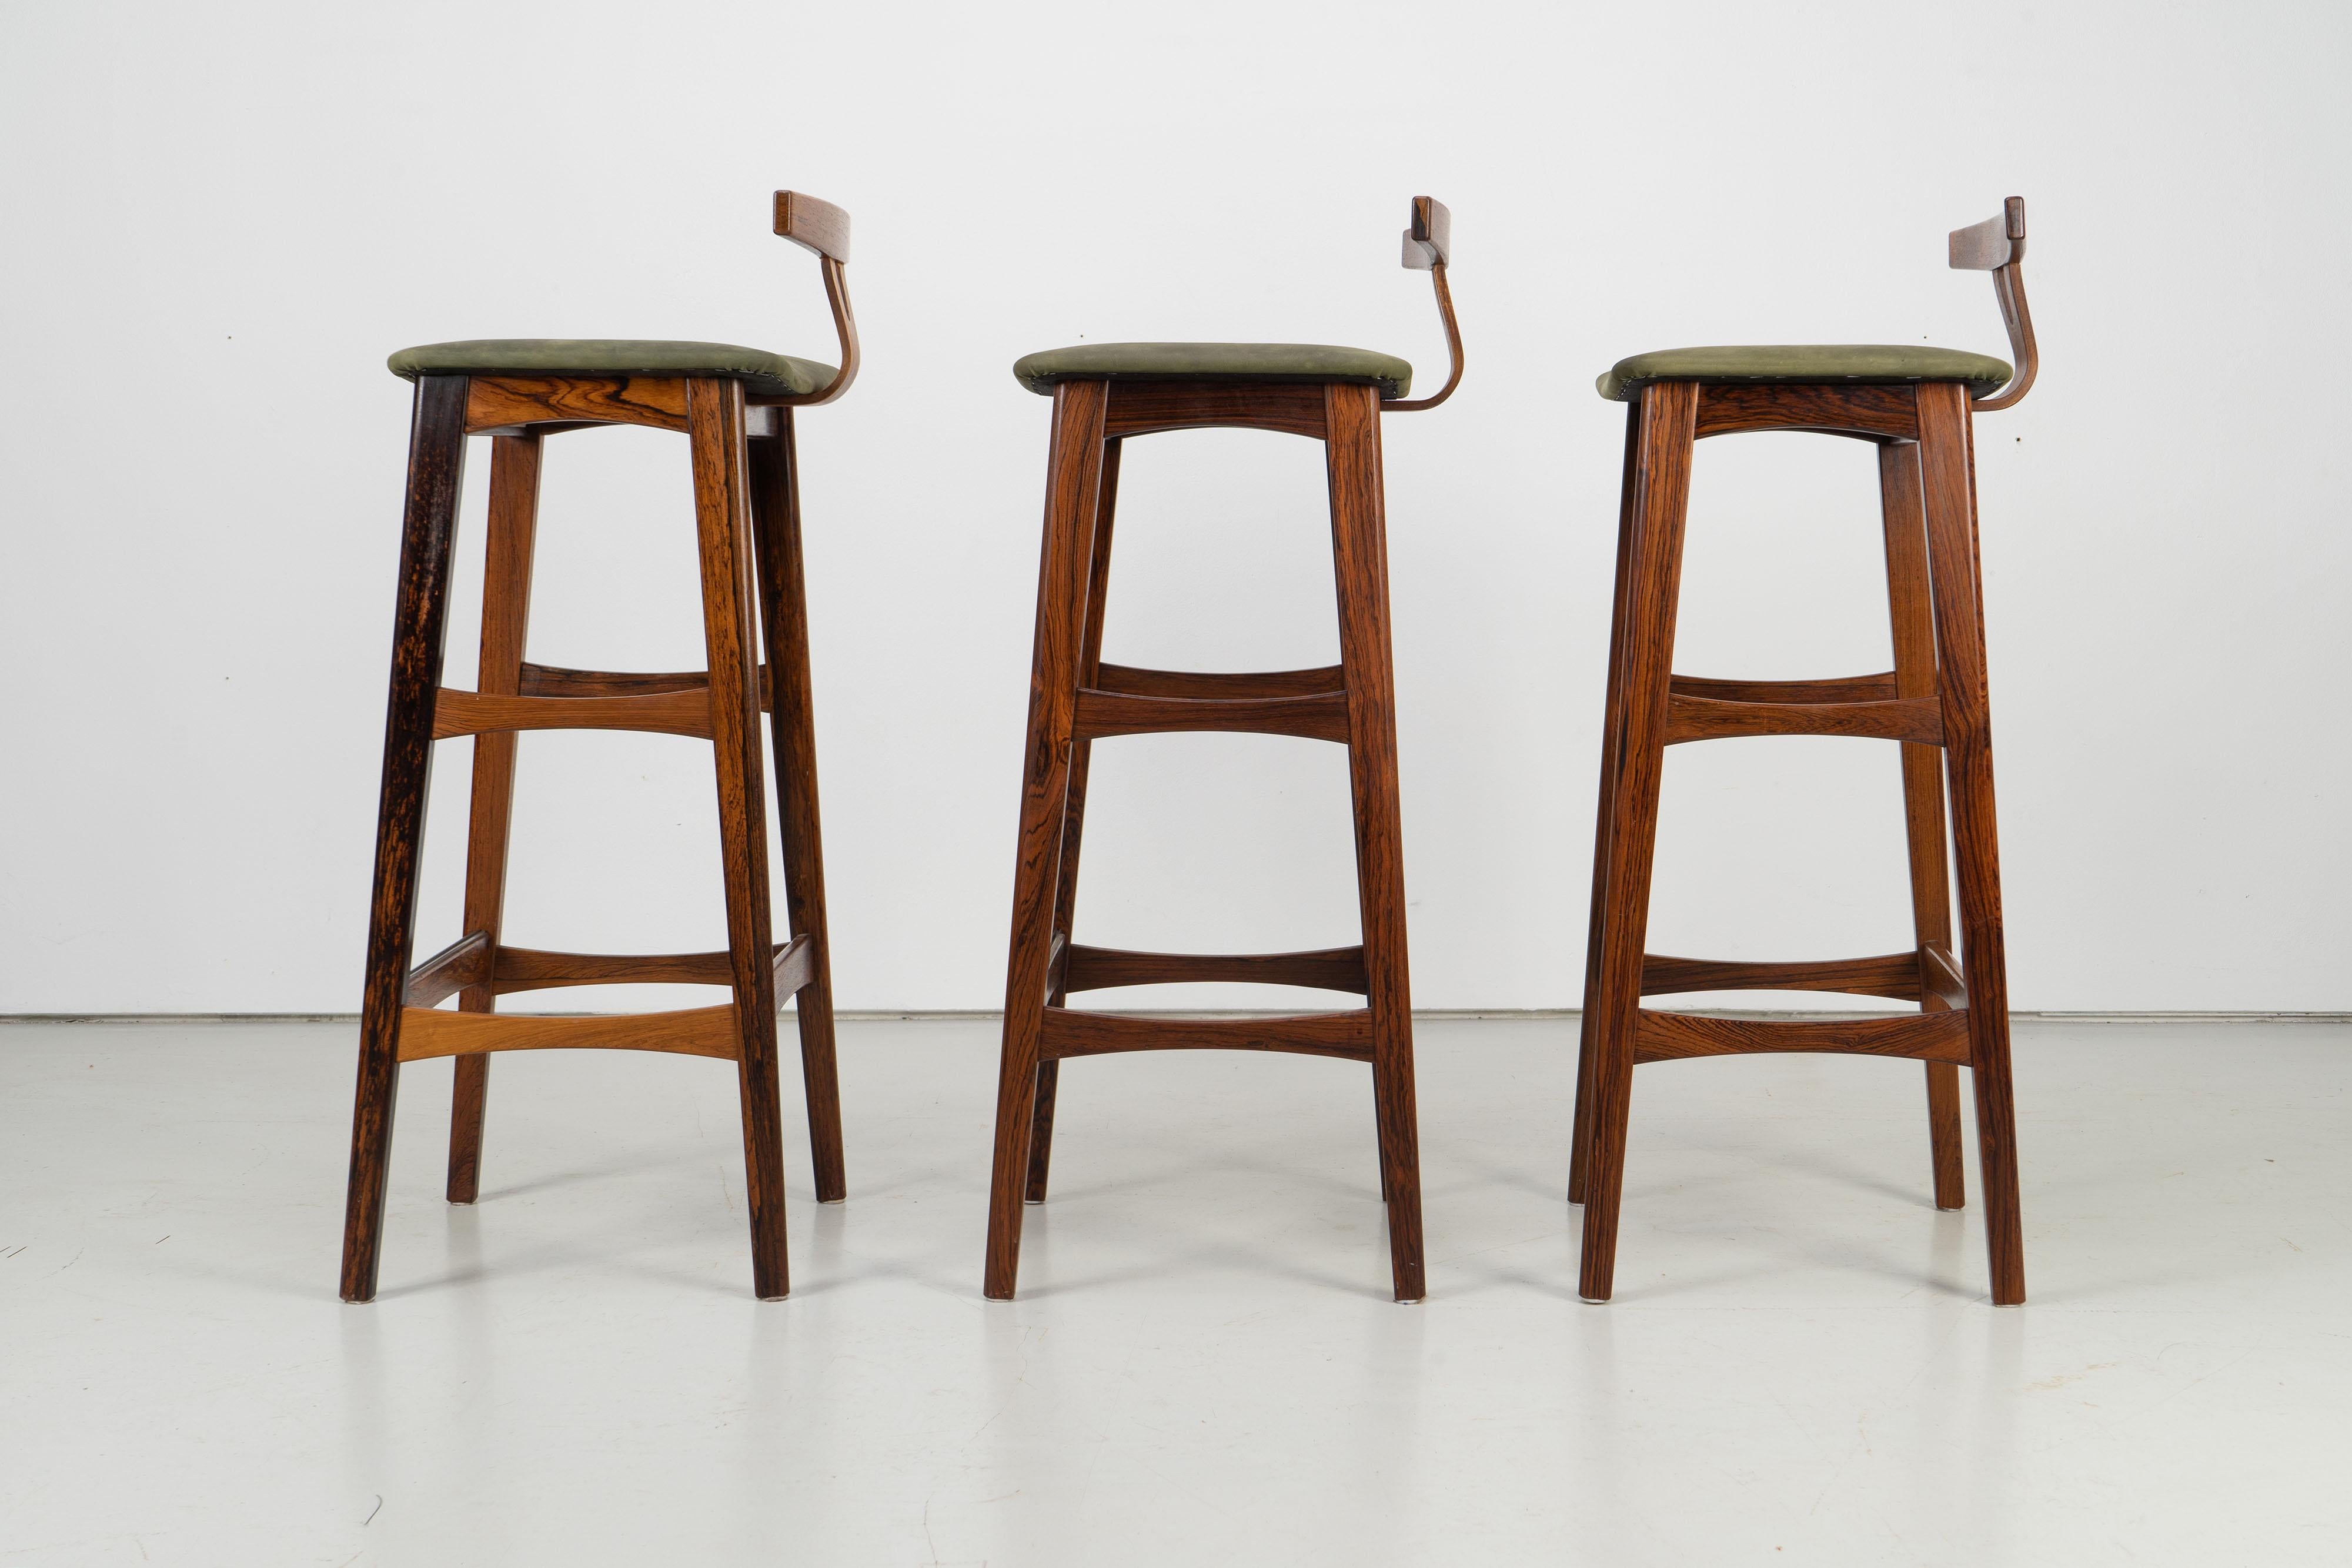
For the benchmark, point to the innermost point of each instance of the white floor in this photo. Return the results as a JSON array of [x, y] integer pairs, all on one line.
[[1801, 1366]]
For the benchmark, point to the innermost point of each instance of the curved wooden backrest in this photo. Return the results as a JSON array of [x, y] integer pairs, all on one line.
[[1428, 248], [823, 228], [1997, 245]]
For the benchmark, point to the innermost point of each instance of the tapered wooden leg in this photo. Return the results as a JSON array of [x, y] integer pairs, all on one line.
[[714, 414], [1073, 493], [1947, 463], [1074, 815], [1661, 501], [506, 608], [437, 465], [784, 614], [1613, 722], [1360, 556], [1910, 612]]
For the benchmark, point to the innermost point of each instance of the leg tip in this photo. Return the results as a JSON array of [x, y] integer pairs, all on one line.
[[1034, 1202]]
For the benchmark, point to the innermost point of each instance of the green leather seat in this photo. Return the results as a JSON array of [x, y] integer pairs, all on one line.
[[772, 375], [1213, 361], [1881, 364]]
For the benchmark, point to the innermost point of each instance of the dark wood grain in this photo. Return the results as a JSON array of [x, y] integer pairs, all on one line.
[[1835, 689], [1144, 683], [1947, 463], [1912, 623], [1429, 247], [1870, 412], [784, 614], [436, 462], [1891, 975], [501, 402], [1143, 407], [506, 613], [1099, 714], [555, 680], [683, 713], [1359, 562], [1328, 968], [536, 969], [1091, 669], [1604, 818], [1703, 718], [819, 225], [723, 530], [1926, 1036], [1657, 514], [1064, 1034], [464, 963], [1072, 493], [427, 1033]]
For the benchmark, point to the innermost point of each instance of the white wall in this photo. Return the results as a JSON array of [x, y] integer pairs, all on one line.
[[220, 218]]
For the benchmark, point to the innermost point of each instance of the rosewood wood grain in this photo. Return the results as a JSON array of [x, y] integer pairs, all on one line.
[[1360, 563], [686, 712], [1073, 495], [1065, 1034], [1946, 465], [1940, 977], [1902, 718], [816, 226], [1143, 683], [1074, 815], [555, 680], [1144, 407], [426, 1032], [1329, 968], [534, 969], [502, 402], [464, 963], [1925, 1037], [1871, 413], [1660, 502], [774, 476], [1100, 714], [1912, 623], [436, 461], [506, 613], [1603, 820], [1879, 687], [723, 530], [1891, 975]]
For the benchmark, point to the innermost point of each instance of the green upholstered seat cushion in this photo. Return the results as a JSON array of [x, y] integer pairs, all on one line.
[[1213, 361], [774, 375], [1884, 364]]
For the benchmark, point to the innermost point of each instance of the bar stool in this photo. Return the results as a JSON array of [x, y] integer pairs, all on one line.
[[1914, 404], [735, 406], [1104, 393]]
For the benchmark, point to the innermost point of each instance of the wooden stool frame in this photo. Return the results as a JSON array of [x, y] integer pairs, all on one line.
[[1934, 702], [1075, 699], [747, 529]]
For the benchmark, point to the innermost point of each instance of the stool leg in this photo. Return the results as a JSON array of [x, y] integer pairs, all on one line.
[[1669, 412], [1072, 496], [506, 608], [714, 416], [1613, 721], [784, 615], [436, 465], [1074, 816], [1909, 611], [1360, 555], [1947, 464]]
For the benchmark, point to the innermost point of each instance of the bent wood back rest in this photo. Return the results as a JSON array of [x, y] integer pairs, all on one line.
[[1997, 245], [822, 227], [1428, 248]]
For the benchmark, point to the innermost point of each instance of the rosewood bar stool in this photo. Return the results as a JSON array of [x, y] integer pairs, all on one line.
[[1104, 393], [735, 406], [1914, 404]]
